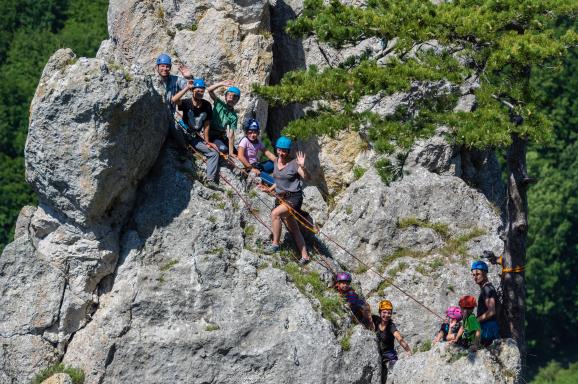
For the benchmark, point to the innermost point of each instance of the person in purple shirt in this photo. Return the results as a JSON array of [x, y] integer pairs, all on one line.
[[250, 150], [358, 306]]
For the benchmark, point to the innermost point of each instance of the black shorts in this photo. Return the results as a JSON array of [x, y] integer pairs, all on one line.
[[293, 199]]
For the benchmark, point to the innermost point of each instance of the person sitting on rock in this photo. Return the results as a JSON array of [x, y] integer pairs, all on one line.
[[250, 149], [387, 333], [469, 334], [197, 114], [487, 303], [450, 328], [288, 174], [224, 121], [359, 307]]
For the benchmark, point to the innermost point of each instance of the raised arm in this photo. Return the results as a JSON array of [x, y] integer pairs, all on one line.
[[301, 166], [216, 86], [184, 70], [176, 99]]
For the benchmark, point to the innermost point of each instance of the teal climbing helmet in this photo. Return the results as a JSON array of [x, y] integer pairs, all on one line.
[[478, 264], [283, 143], [164, 59], [234, 90], [199, 83]]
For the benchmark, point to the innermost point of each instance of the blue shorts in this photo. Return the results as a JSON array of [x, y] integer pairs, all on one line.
[[389, 356], [490, 331]]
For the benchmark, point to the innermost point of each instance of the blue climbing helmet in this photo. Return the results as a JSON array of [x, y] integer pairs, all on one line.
[[234, 90], [478, 264], [164, 59], [283, 143], [199, 83], [252, 125]]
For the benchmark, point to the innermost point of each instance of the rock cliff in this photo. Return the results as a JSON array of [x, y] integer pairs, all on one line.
[[131, 269]]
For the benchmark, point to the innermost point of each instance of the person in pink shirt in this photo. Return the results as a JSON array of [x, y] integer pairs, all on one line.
[[250, 150]]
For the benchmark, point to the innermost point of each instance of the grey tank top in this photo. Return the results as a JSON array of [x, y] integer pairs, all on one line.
[[287, 179]]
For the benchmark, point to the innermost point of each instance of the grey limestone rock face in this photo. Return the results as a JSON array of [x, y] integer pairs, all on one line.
[[217, 40], [189, 304], [93, 134], [31, 294], [499, 364], [58, 378]]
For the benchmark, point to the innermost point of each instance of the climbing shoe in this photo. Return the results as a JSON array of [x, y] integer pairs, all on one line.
[[273, 248], [303, 261]]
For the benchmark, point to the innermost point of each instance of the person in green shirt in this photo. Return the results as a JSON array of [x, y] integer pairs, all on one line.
[[224, 121], [470, 331]]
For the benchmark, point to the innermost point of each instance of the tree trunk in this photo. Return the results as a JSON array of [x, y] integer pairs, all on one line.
[[513, 283]]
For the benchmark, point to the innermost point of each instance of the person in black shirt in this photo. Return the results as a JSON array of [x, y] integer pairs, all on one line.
[[487, 303], [387, 333], [197, 113]]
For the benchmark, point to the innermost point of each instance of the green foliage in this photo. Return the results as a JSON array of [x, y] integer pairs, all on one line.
[[552, 256], [30, 31], [346, 340], [249, 230], [311, 285], [212, 327], [423, 347], [77, 375], [496, 42], [441, 229], [358, 172], [169, 265], [553, 373]]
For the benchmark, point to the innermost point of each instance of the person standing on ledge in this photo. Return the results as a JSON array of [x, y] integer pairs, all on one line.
[[288, 174]]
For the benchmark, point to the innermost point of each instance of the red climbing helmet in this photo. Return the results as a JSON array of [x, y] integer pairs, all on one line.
[[454, 312], [343, 276], [468, 302]]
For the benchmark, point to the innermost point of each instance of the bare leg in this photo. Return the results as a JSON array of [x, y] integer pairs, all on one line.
[[297, 236], [276, 215]]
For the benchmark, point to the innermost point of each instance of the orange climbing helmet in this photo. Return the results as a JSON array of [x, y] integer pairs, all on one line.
[[385, 305], [468, 302]]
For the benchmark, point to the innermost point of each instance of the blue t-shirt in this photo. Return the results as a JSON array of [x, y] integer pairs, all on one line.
[[173, 85]]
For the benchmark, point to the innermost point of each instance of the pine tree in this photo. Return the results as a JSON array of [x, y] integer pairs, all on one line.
[[494, 43]]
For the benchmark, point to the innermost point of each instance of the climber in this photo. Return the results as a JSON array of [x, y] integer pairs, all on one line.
[[224, 122], [487, 303], [197, 114], [288, 174], [172, 83], [359, 307], [449, 328], [469, 334], [387, 332], [250, 149]]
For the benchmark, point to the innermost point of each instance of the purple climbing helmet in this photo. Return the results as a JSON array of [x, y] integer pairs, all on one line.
[[343, 276]]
